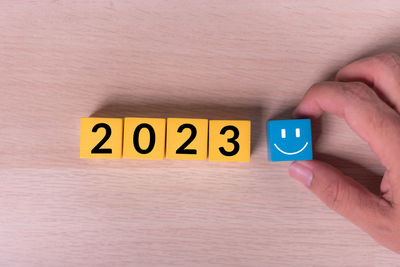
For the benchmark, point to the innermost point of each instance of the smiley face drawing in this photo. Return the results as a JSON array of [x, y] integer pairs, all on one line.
[[289, 140]]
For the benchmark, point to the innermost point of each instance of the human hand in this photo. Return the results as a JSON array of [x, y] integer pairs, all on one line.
[[366, 94]]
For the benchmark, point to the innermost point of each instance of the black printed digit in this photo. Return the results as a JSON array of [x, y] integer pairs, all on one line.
[[97, 149], [136, 138], [182, 149], [231, 140]]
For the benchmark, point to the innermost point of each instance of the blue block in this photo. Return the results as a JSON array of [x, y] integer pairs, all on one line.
[[289, 140]]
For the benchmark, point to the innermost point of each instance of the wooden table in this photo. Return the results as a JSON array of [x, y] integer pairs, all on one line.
[[62, 60]]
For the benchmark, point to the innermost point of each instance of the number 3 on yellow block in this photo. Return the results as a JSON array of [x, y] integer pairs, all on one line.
[[229, 140]]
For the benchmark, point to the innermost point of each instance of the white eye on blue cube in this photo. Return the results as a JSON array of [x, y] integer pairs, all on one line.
[[289, 140]]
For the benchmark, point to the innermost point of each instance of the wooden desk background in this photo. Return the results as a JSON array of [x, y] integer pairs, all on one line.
[[62, 60]]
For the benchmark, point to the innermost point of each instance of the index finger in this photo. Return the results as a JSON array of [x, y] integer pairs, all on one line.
[[372, 119], [381, 72]]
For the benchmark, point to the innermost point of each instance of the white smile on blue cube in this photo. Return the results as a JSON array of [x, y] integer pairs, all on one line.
[[289, 140]]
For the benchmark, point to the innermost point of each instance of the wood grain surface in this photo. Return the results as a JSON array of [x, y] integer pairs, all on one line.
[[62, 60]]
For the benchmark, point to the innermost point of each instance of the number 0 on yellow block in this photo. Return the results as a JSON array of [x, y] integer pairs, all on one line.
[[144, 138], [187, 138], [101, 138], [229, 140]]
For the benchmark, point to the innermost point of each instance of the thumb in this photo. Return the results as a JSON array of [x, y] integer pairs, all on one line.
[[343, 194]]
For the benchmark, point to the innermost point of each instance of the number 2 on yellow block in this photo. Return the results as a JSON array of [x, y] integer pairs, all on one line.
[[187, 138], [101, 138]]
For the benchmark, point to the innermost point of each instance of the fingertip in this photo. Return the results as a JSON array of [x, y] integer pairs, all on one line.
[[301, 173], [299, 113], [296, 113]]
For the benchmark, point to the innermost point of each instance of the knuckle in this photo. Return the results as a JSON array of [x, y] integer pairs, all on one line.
[[388, 59], [315, 86], [359, 91], [334, 196]]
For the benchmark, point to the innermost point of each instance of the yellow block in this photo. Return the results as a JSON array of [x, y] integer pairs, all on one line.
[[144, 138], [101, 138], [187, 138], [229, 140]]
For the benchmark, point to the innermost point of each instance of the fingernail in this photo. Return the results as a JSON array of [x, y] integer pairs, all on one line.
[[301, 173]]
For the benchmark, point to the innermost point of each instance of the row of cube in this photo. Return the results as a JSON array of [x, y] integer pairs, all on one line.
[[173, 138]]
